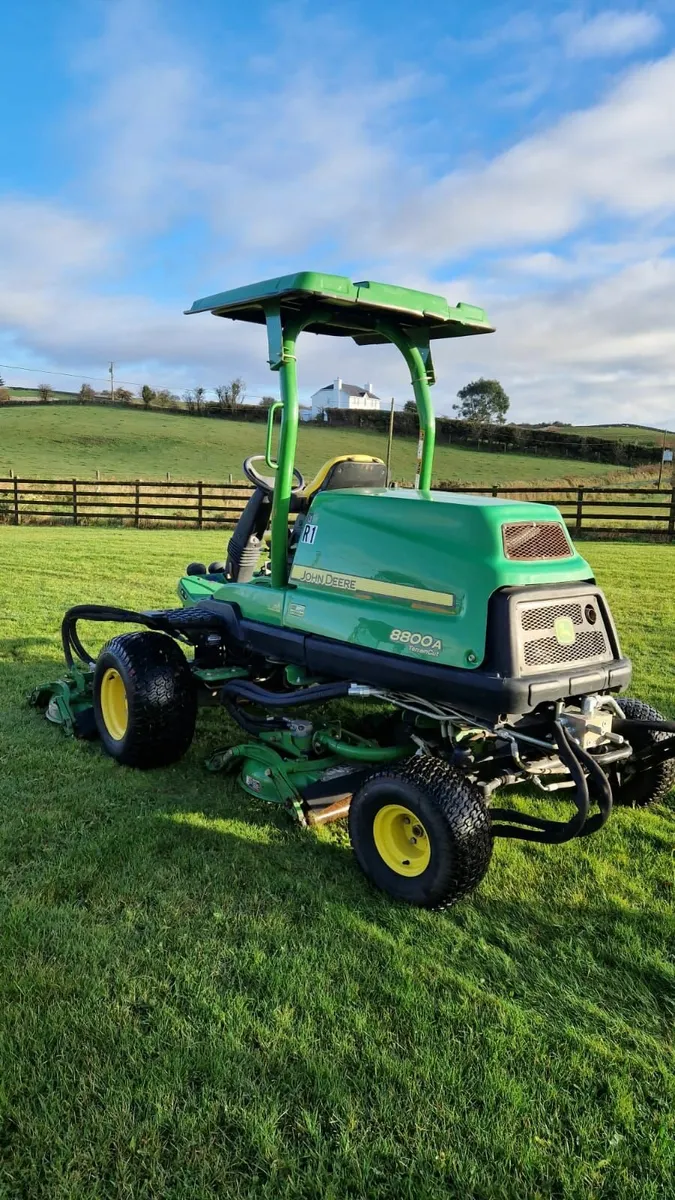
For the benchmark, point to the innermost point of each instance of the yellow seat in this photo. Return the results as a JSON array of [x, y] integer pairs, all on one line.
[[346, 471]]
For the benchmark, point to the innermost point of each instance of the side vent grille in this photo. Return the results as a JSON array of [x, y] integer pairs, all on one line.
[[528, 540], [547, 652], [561, 633]]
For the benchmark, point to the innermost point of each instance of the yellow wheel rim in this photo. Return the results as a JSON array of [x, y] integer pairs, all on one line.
[[114, 708], [401, 840]]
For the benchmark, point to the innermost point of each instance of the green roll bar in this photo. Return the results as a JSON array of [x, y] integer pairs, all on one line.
[[370, 313], [282, 340]]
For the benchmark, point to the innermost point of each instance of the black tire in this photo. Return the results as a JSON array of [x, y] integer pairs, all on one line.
[[651, 786], [453, 817], [160, 695]]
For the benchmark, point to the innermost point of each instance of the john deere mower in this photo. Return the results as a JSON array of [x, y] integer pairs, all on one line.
[[392, 656]]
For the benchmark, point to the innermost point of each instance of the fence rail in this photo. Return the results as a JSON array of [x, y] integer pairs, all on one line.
[[614, 511]]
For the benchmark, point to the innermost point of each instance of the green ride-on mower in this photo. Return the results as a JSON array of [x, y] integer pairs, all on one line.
[[467, 633]]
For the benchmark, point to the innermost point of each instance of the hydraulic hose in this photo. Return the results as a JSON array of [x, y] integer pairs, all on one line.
[[628, 725], [98, 612], [178, 623], [244, 689], [603, 793], [249, 724], [539, 829]]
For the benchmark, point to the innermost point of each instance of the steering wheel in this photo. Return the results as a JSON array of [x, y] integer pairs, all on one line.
[[266, 482]]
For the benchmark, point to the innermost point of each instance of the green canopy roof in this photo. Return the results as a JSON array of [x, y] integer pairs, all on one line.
[[347, 309]]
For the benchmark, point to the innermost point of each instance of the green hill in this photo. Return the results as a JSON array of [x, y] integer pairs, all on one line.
[[643, 435], [124, 443]]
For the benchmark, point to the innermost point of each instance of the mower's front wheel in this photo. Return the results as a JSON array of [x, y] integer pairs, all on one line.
[[421, 832], [145, 700]]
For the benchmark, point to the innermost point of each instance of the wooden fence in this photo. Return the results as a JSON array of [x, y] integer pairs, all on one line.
[[121, 502], [609, 511]]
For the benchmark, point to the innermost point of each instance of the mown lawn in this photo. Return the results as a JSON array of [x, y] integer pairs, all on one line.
[[198, 999], [129, 444]]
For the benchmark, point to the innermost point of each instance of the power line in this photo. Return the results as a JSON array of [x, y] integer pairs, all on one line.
[[100, 378]]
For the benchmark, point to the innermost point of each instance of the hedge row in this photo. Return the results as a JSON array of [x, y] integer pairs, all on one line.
[[448, 431], [505, 437]]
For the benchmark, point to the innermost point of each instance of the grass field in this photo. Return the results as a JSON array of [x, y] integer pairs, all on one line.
[[128, 444], [642, 434], [198, 999]]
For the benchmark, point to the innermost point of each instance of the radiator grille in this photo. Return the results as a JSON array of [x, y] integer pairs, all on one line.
[[554, 633], [543, 618], [548, 651], [527, 540]]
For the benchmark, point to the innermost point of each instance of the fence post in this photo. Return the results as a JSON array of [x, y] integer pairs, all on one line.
[[17, 518], [200, 498], [137, 504], [671, 515], [580, 510], [74, 502]]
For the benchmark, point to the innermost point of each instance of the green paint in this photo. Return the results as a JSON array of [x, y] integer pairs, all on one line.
[[367, 311], [365, 303], [564, 631], [271, 462], [364, 751], [443, 547], [406, 572], [439, 542], [65, 699], [283, 482]]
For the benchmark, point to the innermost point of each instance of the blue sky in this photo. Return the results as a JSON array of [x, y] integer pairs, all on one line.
[[522, 158]]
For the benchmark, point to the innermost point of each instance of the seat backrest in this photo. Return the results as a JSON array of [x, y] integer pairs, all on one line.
[[346, 471]]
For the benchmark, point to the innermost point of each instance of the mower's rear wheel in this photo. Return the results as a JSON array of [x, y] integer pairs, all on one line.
[[421, 832], [145, 700], [654, 784]]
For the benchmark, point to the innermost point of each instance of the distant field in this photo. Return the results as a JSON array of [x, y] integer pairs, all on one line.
[[642, 434], [132, 444], [22, 393]]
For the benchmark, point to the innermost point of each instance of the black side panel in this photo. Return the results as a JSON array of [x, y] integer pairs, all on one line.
[[501, 651], [486, 693], [253, 520]]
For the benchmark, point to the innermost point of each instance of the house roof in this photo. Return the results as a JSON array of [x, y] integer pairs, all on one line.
[[352, 389]]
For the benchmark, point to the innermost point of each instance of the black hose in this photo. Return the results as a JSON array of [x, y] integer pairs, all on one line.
[[243, 689], [249, 724], [603, 795], [627, 725], [541, 830], [98, 612], [180, 623]]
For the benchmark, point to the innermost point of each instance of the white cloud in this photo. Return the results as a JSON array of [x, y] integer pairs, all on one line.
[[307, 169], [612, 33], [616, 158]]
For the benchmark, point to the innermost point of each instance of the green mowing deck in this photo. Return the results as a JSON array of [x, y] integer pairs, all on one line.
[[198, 999]]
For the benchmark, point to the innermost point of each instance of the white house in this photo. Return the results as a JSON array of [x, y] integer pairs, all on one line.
[[339, 394]]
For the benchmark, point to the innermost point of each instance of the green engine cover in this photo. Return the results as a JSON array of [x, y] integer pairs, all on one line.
[[411, 572], [402, 571]]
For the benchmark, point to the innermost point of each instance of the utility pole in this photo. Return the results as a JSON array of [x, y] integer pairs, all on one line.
[[389, 440], [111, 372], [663, 446]]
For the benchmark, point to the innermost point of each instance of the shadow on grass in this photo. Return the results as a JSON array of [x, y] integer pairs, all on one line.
[[89, 836]]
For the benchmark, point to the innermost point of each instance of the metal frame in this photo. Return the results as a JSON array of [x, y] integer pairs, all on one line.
[[283, 331]]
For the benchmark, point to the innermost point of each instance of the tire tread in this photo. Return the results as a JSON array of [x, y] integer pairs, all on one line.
[[162, 698]]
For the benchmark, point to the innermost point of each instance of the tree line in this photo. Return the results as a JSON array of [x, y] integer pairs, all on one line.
[[229, 396]]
